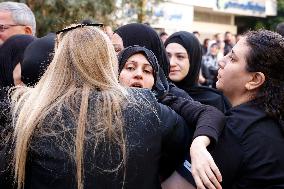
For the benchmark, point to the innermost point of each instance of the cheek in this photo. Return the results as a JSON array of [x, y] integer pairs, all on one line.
[[124, 78], [148, 81], [184, 66]]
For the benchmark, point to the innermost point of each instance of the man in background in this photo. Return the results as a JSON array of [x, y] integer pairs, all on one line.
[[15, 18]]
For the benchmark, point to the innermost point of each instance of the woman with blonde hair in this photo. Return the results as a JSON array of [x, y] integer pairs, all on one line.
[[78, 128]]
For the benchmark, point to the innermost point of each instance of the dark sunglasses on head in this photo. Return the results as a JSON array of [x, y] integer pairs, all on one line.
[[80, 25]]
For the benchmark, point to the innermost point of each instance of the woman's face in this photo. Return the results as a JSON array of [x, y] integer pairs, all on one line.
[[117, 43], [17, 75], [137, 72], [232, 74], [179, 61]]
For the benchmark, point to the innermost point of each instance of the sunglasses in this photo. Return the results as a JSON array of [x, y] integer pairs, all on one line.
[[80, 26]]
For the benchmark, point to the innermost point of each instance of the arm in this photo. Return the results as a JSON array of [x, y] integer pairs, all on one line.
[[208, 120], [176, 139]]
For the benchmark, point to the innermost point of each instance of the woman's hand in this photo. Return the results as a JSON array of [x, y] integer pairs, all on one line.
[[204, 170]]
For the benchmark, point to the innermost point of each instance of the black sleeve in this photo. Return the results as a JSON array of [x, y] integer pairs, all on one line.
[[228, 156], [208, 120], [175, 140]]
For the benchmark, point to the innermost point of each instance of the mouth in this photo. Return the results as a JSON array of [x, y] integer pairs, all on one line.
[[174, 71], [219, 75], [137, 85]]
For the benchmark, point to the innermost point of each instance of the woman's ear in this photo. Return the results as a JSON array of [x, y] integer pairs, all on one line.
[[256, 81]]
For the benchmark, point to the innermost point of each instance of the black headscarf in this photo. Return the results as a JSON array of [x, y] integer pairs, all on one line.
[[194, 51], [124, 55], [145, 36], [11, 53], [37, 57]]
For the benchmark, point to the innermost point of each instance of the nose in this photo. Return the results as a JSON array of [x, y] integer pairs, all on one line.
[[138, 74], [172, 61], [222, 62]]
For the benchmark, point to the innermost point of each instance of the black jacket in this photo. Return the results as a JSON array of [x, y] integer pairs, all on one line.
[[155, 136], [250, 150]]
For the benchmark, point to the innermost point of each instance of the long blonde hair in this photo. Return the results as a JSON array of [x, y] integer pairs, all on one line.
[[84, 61]]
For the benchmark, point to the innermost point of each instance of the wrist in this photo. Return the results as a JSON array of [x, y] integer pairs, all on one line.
[[202, 141]]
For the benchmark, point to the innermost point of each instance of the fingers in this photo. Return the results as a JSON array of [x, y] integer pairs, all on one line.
[[212, 179], [198, 182], [207, 180], [207, 176], [216, 170]]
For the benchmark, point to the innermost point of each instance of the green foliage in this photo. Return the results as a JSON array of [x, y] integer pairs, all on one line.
[[271, 21], [53, 15], [141, 8]]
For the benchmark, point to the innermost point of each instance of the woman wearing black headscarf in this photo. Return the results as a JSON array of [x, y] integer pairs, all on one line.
[[11, 54], [185, 54], [37, 57], [157, 85], [145, 36]]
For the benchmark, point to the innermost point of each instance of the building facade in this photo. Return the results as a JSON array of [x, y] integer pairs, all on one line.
[[207, 16]]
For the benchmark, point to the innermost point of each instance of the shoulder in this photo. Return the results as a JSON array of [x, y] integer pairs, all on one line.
[[247, 121], [209, 96]]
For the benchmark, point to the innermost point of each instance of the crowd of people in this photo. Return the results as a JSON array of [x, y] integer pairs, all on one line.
[[85, 107]]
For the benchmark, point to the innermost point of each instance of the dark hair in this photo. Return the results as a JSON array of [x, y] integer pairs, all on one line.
[[280, 28], [196, 32], [86, 21], [267, 56], [205, 41], [227, 32], [162, 34]]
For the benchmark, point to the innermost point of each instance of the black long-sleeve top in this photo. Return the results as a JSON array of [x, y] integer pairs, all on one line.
[[249, 153], [155, 137]]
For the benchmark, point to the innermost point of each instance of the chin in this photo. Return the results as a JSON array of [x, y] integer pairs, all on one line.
[[218, 86], [174, 78]]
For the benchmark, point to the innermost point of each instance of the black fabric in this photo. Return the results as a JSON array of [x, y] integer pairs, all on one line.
[[156, 137], [11, 53], [4, 108], [210, 96], [205, 95], [206, 120], [158, 88], [194, 51], [249, 153], [145, 36], [38, 55]]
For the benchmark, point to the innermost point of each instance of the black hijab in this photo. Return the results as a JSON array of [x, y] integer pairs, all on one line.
[[145, 36], [37, 58], [126, 53], [11, 53], [194, 51]]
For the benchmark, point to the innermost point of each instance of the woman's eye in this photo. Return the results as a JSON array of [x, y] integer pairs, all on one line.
[[148, 71], [130, 68], [231, 58], [180, 57]]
